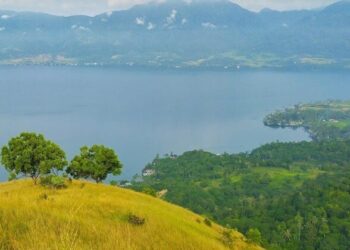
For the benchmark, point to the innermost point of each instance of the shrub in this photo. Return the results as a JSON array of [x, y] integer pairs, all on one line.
[[227, 238], [12, 176], [43, 196], [53, 181], [113, 183], [150, 191], [136, 220], [207, 222]]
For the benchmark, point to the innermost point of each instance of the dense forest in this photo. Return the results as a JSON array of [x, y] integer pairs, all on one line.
[[291, 195]]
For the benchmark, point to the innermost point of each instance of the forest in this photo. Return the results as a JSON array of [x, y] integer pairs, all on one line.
[[292, 195]]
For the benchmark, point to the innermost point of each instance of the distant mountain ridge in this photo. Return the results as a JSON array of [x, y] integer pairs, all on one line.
[[173, 34]]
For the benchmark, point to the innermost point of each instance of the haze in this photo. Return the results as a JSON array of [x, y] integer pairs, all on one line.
[[93, 7]]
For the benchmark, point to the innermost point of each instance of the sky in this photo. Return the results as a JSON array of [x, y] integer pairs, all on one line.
[[93, 7]]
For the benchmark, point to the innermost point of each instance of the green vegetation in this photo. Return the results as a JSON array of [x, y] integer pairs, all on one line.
[[32, 155], [284, 195], [95, 163], [323, 120]]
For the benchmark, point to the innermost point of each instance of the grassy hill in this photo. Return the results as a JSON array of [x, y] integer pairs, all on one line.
[[90, 216]]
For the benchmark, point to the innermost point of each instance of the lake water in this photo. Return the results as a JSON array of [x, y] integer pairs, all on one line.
[[142, 113]]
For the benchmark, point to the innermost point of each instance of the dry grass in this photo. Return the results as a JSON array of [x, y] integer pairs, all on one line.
[[90, 216]]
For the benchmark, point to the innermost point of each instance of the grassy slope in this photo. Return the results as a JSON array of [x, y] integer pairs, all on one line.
[[90, 216]]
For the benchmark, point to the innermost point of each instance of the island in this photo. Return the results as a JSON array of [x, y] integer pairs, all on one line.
[[322, 120]]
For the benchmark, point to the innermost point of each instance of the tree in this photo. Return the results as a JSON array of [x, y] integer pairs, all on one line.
[[254, 235], [32, 155], [95, 163]]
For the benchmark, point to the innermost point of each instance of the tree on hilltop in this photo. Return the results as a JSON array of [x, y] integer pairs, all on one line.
[[32, 155], [95, 163]]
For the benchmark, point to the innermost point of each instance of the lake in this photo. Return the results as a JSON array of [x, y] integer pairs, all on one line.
[[144, 113]]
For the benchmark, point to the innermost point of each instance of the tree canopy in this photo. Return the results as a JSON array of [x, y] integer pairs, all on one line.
[[284, 195], [32, 155], [95, 163]]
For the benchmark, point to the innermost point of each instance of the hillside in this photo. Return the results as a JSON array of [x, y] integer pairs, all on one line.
[[90, 216], [170, 34], [296, 194], [322, 120]]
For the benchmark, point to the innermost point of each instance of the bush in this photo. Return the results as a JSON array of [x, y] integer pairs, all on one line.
[[207, 222], [150, 191], [43, 196], [136, 220], [12, 176], [227, 238], [53, 181], [113, 183]]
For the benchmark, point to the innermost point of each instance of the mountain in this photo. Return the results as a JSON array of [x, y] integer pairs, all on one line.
[[176, 34], [90, 216]]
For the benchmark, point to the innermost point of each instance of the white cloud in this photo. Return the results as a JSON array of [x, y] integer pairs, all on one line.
[[208, 25], [2, 29], [171, 18], [184, 21], [80, 28], [151, 26], [140, 21], [4, 17]]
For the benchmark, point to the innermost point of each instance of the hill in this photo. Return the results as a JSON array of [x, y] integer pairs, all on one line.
[[170, 34], [90, 216], [322, 120], [296, 194]]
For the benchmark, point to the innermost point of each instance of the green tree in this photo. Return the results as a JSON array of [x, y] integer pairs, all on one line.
[[254, 235], [95, 163], [32, 155]]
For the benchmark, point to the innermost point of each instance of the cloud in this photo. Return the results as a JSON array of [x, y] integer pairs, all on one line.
[[93, 7], [81, 28], [208, 25], [151, 26], [171, 18], [5, 17], [140, 21], [2, 29]]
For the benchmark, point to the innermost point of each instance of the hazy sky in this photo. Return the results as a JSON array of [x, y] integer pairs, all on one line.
[[92, 7]]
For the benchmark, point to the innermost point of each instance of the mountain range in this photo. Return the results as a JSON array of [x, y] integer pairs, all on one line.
[[181, 34]]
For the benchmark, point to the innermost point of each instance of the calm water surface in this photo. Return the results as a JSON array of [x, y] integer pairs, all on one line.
[[142, 113]]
